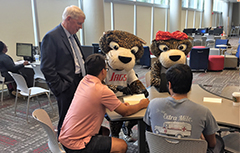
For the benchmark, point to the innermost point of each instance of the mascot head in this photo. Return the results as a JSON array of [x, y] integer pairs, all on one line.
[[122, 49], [171, 48]]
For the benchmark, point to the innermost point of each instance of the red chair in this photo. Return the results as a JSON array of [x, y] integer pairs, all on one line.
[[215, 62]]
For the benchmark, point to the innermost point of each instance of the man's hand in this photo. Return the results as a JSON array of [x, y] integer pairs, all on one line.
[[126, 104], [25, 63], [144, 102]]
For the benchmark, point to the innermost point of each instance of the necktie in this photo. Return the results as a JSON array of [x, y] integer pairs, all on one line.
[[77, 54]]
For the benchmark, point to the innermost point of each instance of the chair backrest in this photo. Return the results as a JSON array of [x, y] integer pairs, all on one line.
[[43, 118], [2, 79], [199, 58], [37, 71], [197, 37], [162, 144], [20, 81], [221, 42], [210, 37]]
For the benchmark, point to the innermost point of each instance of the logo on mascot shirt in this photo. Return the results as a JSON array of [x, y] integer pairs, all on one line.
[[118, 77]]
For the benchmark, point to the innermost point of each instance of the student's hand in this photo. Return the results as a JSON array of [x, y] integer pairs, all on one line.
[[25, 63], [144, 102], [126, 103], [202, 137]]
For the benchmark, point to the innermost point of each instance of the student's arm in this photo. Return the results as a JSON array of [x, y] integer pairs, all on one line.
[[126, 109], [211, 139]]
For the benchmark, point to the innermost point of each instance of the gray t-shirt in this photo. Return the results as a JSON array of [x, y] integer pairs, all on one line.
[[180, 118]]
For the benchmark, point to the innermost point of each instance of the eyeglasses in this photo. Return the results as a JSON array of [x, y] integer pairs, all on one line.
[[106, 69]]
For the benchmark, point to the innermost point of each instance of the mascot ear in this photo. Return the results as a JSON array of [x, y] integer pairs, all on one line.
[[142, 41], [190, 38]]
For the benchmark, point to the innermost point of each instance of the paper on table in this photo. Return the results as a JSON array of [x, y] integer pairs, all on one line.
[[19, 62], [212, 100], [133, 99]]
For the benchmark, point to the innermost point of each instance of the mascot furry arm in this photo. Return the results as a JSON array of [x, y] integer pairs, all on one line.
[[122, 49], [170, 49]]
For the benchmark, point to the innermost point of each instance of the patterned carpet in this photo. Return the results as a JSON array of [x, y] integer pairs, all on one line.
[[16, 135]]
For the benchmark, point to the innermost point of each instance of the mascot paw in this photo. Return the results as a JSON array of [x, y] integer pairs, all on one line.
[[125, 90], [145, 92]]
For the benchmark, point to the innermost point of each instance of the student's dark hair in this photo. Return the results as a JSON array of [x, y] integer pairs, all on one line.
[[180, 76], [1, 46], [94, 64]]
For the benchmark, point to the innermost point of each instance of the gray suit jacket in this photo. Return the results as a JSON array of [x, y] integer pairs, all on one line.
[[57, 61]]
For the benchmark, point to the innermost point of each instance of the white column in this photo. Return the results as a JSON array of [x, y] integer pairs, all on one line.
[[35, 23], [94, 22], [208, 9], [225, 16], [175, 15]]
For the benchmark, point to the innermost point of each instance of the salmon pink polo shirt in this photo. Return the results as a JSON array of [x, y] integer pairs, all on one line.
[[86, 112]]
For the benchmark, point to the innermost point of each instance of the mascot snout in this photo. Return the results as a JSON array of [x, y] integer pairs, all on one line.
[[125, 60]]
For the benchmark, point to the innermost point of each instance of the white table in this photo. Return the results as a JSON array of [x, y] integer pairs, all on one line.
[[225, 113], [220, 48]]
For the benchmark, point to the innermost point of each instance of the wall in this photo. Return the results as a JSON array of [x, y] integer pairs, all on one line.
[[236, 14], [17, 24]]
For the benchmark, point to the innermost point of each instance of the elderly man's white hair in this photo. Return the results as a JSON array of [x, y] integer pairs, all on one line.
[[72, 11]]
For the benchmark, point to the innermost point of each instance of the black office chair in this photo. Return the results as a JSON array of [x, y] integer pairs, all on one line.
[[199, 59], [145, 59]]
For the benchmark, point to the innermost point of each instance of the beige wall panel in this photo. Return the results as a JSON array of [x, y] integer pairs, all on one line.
[[107, 16], [144, 23], [213, 20], [16, 24], [123, 17], [197, 19], [190, 19], [159, 20], [203, 23], [50, 14], [168, 26], [183, 19]]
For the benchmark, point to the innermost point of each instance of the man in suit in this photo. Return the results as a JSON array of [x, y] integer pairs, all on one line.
[[62, 61]]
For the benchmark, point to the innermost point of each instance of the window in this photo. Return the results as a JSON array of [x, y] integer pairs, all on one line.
[[185, 3], [217, 5], [194, 4], [146, 1], [161, 2]]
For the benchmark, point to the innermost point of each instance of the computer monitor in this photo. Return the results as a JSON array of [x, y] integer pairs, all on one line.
[[189, 31], [201, 31], [210, 32], [217, 31], [25, 50], [87, 50]]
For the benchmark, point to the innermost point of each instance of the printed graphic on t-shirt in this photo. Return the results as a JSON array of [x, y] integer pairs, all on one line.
[[120, 78], [177, 129], [178, 126]]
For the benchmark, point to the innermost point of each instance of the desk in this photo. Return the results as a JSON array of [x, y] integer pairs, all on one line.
[[221, 50], [141, 125], [225, 113]]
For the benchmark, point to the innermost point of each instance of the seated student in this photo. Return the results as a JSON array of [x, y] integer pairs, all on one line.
[[7, 64], [179, 111], [80, 129], [238, 52]]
